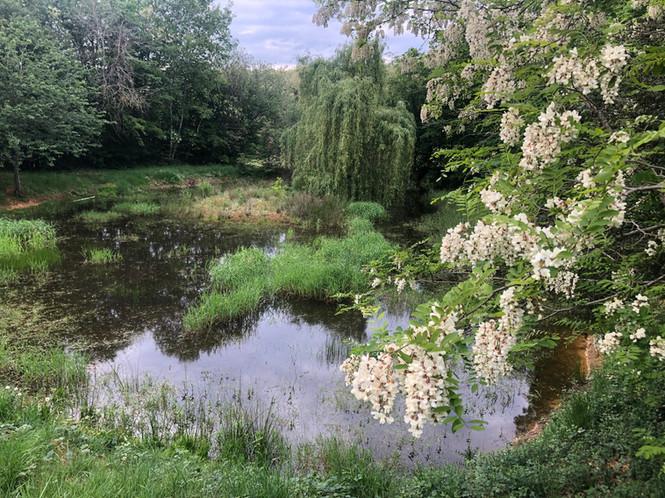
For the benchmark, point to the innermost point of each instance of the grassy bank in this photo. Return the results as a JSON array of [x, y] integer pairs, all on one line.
[[25, 245], [59, 184], [149, 444], [329, 266]]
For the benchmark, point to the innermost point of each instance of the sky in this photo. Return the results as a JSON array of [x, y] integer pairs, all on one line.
[[277, 32]]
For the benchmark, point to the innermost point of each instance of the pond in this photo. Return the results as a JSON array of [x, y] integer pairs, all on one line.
[[127, 318]]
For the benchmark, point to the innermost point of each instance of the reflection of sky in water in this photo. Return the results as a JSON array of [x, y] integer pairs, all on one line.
[[128, 317], [286, 360]]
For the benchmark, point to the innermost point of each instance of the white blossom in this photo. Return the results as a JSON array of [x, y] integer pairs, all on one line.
[[609, 342], [657, 348], [511, 127]]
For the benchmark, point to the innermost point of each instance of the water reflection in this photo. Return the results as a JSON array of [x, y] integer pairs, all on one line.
[[128, 318]]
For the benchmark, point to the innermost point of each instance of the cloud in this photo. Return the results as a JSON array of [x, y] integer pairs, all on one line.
[[278, 32]]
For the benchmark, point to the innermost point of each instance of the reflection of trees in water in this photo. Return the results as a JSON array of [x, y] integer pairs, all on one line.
[[341, 329], [188, 346], [554, 372]]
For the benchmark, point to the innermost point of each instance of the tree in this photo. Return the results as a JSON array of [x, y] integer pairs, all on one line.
[[44, 106], [564, 199], [347, 142]]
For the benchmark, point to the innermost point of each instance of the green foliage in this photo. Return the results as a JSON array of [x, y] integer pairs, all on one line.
[[46, 111], [99, 217], [136, 208], [251, 437], [328, 267], [371, 211], [103, 256], [26, 245], [347, 142]]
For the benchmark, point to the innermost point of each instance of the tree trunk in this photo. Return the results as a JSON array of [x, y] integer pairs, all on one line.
[[18, 187]]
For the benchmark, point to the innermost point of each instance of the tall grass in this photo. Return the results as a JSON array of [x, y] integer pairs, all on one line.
[[26, 245], [136, 208], [103, 256], [330, 266]]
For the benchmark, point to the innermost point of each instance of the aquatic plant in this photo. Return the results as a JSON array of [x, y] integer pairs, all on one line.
[[330, 266], [99, 217], [103, 256], [136, 208]]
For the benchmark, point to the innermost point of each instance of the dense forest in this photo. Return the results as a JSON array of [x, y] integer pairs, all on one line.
[[438, 274]]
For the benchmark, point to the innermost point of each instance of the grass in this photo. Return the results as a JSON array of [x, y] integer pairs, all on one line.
[[155, 441], [112, 182], [240, 201], [371, 211], [330, 266], [136, 208], [99, 217], [103, 256], [26, 245]]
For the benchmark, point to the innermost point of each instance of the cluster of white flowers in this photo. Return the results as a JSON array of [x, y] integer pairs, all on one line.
[[657, 348], [619, 137], [373, 381], [586, 179], [564, 283], [589, 74], [424, 388], [442, 92], [494, 339], [493, 200], [422, 381], [478, 29], [511, 127], [639, 303], [582, 74], [609, 342], [614, 58], [612, 306], [640, 333], [499, 86], [543, 139], [652, 248]]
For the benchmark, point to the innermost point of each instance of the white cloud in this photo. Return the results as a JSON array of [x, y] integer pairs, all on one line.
[[278, 32]]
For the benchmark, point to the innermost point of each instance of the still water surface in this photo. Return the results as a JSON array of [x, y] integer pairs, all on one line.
[[127, 317]]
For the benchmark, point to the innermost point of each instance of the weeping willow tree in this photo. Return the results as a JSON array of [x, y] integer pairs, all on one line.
[[348, 142]]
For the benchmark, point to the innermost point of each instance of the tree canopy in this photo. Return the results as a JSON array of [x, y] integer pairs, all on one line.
[[348, 141], [45, 109]]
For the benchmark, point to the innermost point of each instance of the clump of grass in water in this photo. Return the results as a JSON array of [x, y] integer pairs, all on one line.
[[138, 208], [103, 256], [26, 245], [99, 217], [330, 266]]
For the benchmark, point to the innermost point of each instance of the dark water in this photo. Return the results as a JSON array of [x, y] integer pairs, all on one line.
[[127, 317]]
